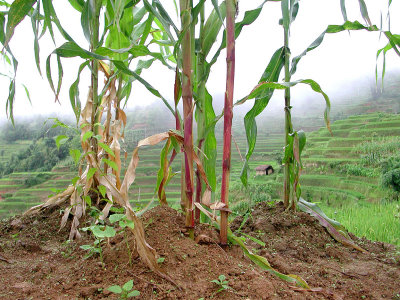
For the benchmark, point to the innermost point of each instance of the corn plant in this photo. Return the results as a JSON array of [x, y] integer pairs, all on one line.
[[209, 27], [108, 55]]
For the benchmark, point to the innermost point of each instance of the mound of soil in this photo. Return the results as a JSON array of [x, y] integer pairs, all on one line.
[[37, 263]]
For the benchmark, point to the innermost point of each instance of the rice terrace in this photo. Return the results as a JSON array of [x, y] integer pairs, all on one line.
[[152, 164]]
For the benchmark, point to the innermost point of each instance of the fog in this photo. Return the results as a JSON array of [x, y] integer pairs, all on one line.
[[344, 65]]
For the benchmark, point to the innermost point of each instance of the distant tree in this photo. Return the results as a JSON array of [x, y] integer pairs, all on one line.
[[391, 174]]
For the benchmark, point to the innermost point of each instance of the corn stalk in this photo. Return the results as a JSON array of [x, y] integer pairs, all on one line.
[[187, 98], [288, 121], [228, 115]]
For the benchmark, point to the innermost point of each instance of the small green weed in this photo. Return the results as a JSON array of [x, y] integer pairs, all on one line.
[[125, 291], [222, 284]]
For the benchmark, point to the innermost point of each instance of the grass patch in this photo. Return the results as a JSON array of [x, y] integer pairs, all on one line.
[[375, 221]]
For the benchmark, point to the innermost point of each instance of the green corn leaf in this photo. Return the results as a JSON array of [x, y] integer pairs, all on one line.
[[210, 142], [211, 29], [343, 9], [138, 14], [10, 101], [285, 7], [294, 10], [48, 10], [260, 261], [364, 12], [27, 93], [302, 140], [17, 12], [74, 92], [335, 229], [330, 29], [261, 243], [166, 26], [35, 23], [165, 15], [270, 74], [77, 4], [267, 86], [217, 10], [263, 263], [143, 31], [107, 149], [163, 173], [86, 17], [60, 76], [72, 49], [394, 40], [61, 139]]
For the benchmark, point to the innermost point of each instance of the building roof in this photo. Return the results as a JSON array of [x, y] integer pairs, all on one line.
[[263, 167]]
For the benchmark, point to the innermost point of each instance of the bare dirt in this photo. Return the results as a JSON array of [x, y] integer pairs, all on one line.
[[37, 263]]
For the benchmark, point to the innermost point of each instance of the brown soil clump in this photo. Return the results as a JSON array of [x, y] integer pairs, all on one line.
[[39, 264]]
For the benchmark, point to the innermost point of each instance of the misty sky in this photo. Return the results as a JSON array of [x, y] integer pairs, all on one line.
[[342, 57]]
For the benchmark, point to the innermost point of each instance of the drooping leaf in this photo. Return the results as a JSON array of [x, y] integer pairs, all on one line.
[[330, 29], [343, 9], [86, 19], [17, 12], [74, 92], [364, 12], [260, 261], [264, 87], [335, 229], [218, 11], [270, 74], [211, 29], [166, 25]]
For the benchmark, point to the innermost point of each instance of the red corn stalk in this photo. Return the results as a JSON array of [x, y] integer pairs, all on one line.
[[228, 114], [187, 98]]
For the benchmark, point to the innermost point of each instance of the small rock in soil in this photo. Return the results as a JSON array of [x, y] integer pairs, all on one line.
[[17, 224]]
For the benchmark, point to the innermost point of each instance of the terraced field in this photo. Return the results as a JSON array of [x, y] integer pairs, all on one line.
[[323, 178]]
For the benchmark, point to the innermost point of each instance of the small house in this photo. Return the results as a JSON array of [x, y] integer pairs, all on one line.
[[264, 170]]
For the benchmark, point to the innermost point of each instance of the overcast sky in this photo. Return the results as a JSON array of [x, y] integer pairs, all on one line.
[[341, 58]]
